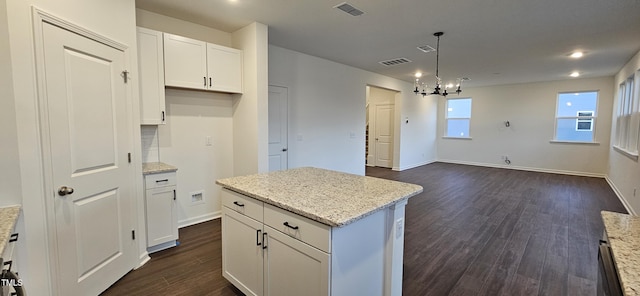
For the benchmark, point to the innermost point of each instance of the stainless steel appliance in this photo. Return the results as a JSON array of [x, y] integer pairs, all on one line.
[[608, 282]]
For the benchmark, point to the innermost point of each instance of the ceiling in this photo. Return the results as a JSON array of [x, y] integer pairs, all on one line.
[[491, 42]]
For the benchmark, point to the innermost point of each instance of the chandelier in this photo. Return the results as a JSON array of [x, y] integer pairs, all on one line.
[[438, 86]]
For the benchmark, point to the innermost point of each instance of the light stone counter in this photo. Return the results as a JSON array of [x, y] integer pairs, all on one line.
[[157, 167], [623, 232], [329, 197], [8, 218]]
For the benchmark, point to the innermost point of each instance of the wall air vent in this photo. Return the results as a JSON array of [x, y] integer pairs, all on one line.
[[348, 8], [426, 48], [395, 62]]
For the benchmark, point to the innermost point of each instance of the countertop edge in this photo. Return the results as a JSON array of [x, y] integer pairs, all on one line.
[[318, 218], [149, 168], [623, 242]]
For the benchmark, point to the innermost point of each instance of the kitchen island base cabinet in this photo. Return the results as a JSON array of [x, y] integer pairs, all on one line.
[[264, 256]]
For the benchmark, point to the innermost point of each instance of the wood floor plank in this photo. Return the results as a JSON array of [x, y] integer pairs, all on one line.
[[473, 231]]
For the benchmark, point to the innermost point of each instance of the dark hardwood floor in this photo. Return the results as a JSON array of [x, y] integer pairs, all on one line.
[[473, 231]]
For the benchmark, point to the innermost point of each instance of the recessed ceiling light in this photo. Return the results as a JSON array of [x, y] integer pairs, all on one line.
[[418, 74], [574, 74], [576, 54]]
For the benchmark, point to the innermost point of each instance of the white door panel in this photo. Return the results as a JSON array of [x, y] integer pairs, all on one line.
[[278, 130], [87, 119], [384, 135]]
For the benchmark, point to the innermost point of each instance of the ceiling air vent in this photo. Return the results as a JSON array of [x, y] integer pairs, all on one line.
[[395, 62], [348, 8], [426, 48]]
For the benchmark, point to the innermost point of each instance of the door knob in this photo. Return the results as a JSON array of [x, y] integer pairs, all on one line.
[[284, 149], [64, 190]]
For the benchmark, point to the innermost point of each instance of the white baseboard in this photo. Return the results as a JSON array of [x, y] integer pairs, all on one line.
[[199, 219], [143, 259], [531, 169], [415, 165], [620, 196], [162, 246]]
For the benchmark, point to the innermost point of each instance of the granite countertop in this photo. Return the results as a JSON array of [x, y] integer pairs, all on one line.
[[623, 232], [329, 197], [157, 167], [8, 217]]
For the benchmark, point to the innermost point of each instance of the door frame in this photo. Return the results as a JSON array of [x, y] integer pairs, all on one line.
[[43, 147], [397, 106]]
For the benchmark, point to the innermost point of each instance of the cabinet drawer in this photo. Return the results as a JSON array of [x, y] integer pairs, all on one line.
[[8, 253], [301, 228], [242, 204], [159, 180]]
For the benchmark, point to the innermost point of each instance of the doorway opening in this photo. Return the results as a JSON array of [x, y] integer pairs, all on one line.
[[380, 131]]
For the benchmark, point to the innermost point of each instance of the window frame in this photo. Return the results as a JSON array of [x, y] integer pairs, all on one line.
[[592, 119], [447, 118], [627, 117]]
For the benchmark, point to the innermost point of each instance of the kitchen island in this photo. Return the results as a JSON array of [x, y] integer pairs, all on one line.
[[310, 231]]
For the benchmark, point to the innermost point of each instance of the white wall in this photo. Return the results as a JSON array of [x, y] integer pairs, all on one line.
[[191, 117], [10, 191], [327, 102], [530, 108], [97, 16], [250, 111], [624, 173]]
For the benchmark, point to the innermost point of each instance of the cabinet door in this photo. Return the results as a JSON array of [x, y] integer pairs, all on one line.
[[151, 70], [224, 66], [162, 218], [185, 62], [293, 267], [242, 260]]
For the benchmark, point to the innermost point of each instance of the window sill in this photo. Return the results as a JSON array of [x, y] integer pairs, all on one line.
[[629, 154], [573, 142], [457, 138]]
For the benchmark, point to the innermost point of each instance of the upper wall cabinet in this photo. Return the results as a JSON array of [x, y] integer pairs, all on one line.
[[151, 69], [196, 64]]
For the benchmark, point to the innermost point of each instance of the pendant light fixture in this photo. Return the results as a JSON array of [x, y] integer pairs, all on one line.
[[438, 87]]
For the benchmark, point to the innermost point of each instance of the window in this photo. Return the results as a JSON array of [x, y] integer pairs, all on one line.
[[458, 117], [627, 118], [583, 124], [576, 116]]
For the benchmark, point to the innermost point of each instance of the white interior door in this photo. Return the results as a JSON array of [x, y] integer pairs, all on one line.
[[278, 131], [384, 135], [87, 120]]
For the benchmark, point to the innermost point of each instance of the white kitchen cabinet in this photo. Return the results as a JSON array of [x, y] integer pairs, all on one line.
[[224, 67], [161, 210], [267, 250], [242, 256], [151, 70], [262, 260], [294, 268], [195, 64]]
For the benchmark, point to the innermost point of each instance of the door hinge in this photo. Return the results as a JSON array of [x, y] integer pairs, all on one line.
[[129, 157], [125, 75], [133, 234]]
